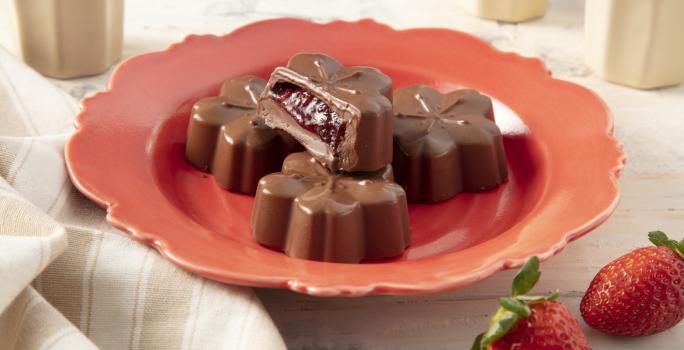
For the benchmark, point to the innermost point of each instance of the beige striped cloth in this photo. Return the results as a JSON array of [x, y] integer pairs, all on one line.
[[68, 280]]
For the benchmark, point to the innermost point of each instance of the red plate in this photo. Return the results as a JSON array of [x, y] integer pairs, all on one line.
[[127, 155]]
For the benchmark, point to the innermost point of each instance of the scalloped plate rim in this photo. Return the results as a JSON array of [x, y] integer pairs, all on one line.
[[297, 285]]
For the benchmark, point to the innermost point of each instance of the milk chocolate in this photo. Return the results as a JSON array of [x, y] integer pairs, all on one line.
[[227, 138], [342, 115], [310, 212], [445, 144]]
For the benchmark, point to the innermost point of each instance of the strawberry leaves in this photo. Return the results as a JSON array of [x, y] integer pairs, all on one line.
[[515, 307], [660, 239], [531, 299], [477, 344], [499, 325], [528, 276]]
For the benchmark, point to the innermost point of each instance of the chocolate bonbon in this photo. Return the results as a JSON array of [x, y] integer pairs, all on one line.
[[227, 138], [309, 212], [445, 144], [342, 115]]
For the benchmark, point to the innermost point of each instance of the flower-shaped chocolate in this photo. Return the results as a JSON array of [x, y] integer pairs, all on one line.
[[309, 212], [226, 138], [445, 144], [342, 115]]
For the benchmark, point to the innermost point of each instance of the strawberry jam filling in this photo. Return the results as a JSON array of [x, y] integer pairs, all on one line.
[[310, 112]]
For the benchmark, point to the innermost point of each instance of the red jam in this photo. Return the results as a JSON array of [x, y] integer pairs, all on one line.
[[310, 112]]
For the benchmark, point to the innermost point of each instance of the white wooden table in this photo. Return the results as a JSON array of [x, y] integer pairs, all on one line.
[[649, 123]]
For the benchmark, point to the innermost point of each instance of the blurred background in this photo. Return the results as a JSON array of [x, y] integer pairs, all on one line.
[[637, 43]]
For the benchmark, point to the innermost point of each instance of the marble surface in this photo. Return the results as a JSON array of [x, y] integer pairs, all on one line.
[[649, 123]]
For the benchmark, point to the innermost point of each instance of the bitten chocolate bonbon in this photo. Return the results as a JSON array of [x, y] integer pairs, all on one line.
[[227, 138], [310, 212], [342, 115], [445, 144]]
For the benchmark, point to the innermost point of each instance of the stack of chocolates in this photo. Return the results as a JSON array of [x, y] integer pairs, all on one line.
[[338, 201]]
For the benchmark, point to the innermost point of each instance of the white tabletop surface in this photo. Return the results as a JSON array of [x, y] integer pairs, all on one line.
[[649, 123]]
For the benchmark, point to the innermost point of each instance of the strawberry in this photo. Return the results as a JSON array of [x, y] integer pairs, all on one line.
[[640, 293], [531, 322]]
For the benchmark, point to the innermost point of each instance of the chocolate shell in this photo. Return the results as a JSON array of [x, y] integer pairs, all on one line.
[[342, 115], [309, 212], [225, 137], [445, 144]]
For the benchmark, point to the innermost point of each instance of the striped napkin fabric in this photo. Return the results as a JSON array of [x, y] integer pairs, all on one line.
[[68, 280]]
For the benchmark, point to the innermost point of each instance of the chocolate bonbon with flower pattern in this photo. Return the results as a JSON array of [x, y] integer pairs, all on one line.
[[445, 144], [227, 138], [310, 212]]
